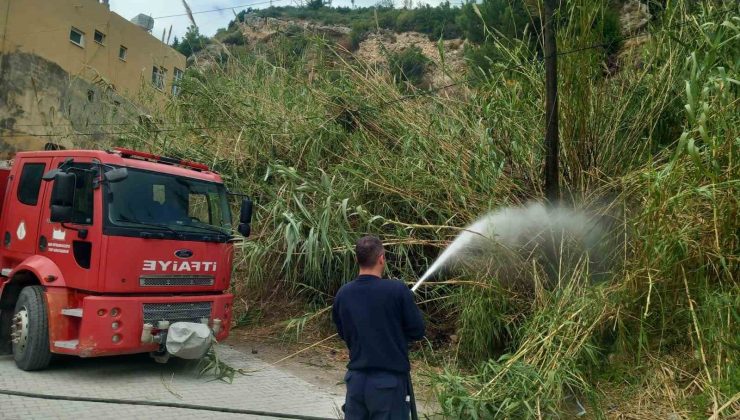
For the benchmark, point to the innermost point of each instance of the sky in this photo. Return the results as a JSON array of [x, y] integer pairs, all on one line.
[[208, 23]]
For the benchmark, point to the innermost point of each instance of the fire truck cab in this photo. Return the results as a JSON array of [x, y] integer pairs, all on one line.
[[103, 251]]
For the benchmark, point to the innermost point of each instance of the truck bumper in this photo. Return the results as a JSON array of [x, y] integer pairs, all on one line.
[[112, 325]]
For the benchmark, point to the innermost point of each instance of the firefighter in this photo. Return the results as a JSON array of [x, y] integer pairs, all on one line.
[[376, 318]]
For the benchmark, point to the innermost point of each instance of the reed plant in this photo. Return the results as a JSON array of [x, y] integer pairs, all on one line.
[[331, 149]]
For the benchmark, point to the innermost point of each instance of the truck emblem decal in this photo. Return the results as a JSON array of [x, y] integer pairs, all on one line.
[[179, 266], [21, 232], [183, 253], [58, 234]]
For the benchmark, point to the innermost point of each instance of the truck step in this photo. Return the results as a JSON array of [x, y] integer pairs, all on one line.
[[77, 312], [5, 272], [70, 344]]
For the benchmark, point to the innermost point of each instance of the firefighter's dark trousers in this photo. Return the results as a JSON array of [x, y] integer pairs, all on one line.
[[376, 395]]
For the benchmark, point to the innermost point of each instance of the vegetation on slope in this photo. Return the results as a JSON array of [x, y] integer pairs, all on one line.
[[331, 150], [483, 24]]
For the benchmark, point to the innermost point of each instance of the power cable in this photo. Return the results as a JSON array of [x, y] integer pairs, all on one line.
[[103, 133], [392, 101], [521, 65], [160, 404], [64, 28], [116, 124], [221, 9]]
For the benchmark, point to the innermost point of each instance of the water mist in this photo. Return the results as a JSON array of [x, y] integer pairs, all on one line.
[[529, 230]]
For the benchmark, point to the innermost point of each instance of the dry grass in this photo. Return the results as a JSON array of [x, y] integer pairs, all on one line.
[[332, 149]]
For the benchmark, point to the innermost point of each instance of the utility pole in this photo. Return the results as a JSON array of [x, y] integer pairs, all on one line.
[[552, 188]]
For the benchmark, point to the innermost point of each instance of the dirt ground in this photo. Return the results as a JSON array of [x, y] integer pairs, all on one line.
[[322, 365]]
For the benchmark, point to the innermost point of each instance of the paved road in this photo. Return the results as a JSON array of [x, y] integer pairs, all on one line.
[[139, 378]]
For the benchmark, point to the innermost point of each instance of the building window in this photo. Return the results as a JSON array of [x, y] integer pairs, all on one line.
[[176, 77], [77, 37], [100, 37], [90, 95], [122, 53], [159, 75], [30, 183]]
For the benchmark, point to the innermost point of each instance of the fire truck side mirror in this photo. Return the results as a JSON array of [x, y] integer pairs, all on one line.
[[245, 218], [49, 176], [244, 229], [62, 197], [116, 175]]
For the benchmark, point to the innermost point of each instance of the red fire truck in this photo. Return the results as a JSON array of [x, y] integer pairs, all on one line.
[[102, 251]]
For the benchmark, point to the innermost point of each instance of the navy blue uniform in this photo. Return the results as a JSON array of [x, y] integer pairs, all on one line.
[[377, 318]]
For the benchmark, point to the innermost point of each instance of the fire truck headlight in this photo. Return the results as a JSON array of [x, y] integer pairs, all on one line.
[[115, 312], [115, 325], [101, 312], [116, 338]]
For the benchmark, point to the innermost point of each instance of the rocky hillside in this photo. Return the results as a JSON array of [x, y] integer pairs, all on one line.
[[375, 45], [633, 19], [373, 50]]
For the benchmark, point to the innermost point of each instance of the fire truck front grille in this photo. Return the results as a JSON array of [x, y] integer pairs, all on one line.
[[160, 281], [176, 312]]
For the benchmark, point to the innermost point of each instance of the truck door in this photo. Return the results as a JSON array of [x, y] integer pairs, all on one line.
[[23, 206], [70, 245]]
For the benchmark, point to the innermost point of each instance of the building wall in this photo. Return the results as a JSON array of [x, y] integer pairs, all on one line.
[[40, 103], [42, 27], [53, 91]]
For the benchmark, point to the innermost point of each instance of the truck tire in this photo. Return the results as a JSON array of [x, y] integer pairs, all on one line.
[[30, 330], [5, 318]]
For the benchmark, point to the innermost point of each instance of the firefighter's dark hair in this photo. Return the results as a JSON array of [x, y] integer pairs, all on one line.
[[368, 249]]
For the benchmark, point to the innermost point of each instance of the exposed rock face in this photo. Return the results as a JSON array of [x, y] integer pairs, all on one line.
[[41, 103], [207, 57], [261, 29], [374, 50], [634, 17]]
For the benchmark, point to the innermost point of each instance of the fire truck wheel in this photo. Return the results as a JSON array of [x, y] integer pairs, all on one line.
[[30, 330], [5, 345]]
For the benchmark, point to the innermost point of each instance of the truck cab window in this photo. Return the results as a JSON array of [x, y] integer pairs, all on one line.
[[30, 183], [198, 208], [83, 200], [162, 203]]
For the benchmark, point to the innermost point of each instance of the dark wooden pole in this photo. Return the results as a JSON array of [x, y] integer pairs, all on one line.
[[552, 188]]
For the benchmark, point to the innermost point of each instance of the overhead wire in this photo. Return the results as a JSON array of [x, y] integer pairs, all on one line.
[[63, 28], [259, 412], [536, 59], [220, 9], [379, 107]]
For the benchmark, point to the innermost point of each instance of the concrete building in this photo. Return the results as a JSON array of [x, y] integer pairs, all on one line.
[[72, 69]]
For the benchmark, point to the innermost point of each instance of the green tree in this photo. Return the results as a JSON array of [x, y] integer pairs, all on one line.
[[192, 42], [315, 4], [504, 16]]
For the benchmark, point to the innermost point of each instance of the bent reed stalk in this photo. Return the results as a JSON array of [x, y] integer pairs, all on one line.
[[331, 148]]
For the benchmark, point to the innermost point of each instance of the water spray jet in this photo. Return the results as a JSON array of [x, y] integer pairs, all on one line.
[[534, 229]]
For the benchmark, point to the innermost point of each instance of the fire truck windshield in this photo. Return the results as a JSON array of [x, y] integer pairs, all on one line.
[[168, 204]]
